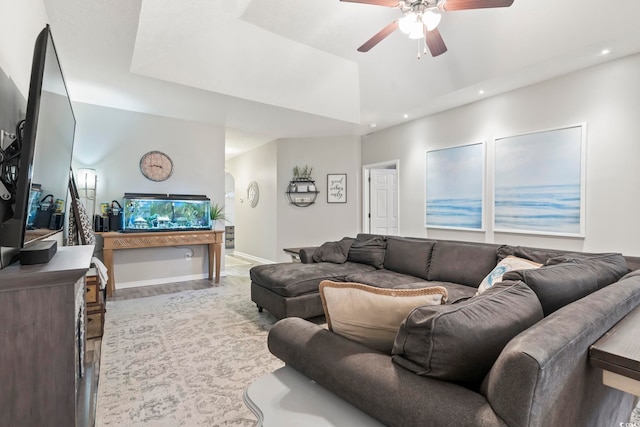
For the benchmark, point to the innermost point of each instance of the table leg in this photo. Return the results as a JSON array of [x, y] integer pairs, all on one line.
[[218, 253], [211, 252], [111, 277]]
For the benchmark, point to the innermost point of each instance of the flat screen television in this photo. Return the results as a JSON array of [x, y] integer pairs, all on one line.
[[38, 162]]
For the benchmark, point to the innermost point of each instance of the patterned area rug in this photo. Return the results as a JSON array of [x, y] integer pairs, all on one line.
[[182, 359]]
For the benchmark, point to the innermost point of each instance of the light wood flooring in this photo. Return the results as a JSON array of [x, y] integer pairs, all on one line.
[[237, 271]]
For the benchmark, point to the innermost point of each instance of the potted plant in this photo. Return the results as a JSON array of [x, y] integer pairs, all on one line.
[[217, 214], [302, 174]]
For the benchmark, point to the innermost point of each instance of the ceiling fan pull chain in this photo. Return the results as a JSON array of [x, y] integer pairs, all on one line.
[[418, 48]]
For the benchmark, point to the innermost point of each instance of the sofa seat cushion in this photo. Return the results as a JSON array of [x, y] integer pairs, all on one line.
[[460, 342], [392, 280], [383, 278], [464, 263], [457, 292], [294, 279], [370, 315], [409, 256]]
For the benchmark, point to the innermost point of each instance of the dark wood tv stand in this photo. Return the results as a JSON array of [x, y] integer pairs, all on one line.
[[41, 340]]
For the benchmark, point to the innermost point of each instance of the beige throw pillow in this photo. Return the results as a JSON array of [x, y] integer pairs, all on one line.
[[370, 315], [510, 263]]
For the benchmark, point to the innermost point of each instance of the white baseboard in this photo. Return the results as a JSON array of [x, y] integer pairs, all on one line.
[[253, 258], [164, 280]]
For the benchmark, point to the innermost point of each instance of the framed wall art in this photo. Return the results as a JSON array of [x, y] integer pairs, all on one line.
[[539, 184], [337, 188], [455, 187]]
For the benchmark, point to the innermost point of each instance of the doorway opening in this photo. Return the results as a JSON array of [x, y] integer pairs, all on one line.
[[380, 198]]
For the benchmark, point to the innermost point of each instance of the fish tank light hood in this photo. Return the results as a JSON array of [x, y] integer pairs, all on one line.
[[165, 212]]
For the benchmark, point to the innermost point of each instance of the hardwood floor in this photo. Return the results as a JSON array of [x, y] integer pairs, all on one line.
[[237, 270]]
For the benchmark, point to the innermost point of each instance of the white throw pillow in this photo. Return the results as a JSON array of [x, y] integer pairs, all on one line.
[[508, 264], [370, 315]]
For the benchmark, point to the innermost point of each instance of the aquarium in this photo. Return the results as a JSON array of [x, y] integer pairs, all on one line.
[[165, 212]]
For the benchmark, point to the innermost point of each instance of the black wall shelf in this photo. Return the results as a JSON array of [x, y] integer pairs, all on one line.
[[302, 192]]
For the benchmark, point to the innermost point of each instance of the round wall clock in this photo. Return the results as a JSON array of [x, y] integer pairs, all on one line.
[[156, 166], [253, 194]]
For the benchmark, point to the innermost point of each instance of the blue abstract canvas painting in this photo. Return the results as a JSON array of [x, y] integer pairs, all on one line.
[[539, 182], [455, 187]]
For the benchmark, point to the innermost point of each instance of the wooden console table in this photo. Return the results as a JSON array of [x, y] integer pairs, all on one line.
[[152, 239], [618, 354]]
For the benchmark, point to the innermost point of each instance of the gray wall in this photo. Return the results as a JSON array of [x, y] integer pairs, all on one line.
[[256, 228], [605, 97], [275, 224], [112, 142], [322, 221]]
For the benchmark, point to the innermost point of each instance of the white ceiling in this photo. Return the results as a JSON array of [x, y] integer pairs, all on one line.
[[268, 69]]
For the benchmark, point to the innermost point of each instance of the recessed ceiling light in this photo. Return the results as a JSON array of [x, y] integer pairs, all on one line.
[[481, 92], [605, 51], [373, 125], [406, 116]]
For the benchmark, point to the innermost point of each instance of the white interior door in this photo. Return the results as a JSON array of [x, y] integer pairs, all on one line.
[[383, 202]]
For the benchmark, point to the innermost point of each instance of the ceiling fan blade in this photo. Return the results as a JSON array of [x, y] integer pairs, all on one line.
[[434, 42], [388, 3], [449, 5], [378, 37]]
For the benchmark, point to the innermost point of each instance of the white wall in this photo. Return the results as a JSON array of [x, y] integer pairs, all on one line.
[[322, 221], [20, 23], [256, 228], [112, 142], [605, 97]]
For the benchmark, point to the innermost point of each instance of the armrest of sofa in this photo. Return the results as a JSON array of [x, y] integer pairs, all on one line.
[[306, 254], [546, 368], [370, 381]]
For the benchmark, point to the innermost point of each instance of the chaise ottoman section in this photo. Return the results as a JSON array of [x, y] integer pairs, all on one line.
[[291, 289]]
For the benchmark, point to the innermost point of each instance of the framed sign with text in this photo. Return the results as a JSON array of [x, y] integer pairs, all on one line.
[[337, 188]]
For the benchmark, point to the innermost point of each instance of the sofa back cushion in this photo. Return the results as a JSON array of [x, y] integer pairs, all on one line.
[[608, 267], [533, 254], [409, 256], [369, 250], [559, 284], [460, 342], [335, 252], [464, 263]]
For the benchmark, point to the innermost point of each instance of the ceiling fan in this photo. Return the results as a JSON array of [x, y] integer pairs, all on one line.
[[421, 19]]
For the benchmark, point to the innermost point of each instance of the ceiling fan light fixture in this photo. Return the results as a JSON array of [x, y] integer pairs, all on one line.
[[431, 19], [417, 32], [407, 22]]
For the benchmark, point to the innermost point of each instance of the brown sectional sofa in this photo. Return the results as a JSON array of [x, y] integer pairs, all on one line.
[[517, 355]]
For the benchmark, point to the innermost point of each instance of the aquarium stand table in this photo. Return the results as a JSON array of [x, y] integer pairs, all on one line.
[[152, 239]]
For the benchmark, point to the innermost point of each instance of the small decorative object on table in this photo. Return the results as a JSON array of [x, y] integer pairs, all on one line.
[[217, 214]]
